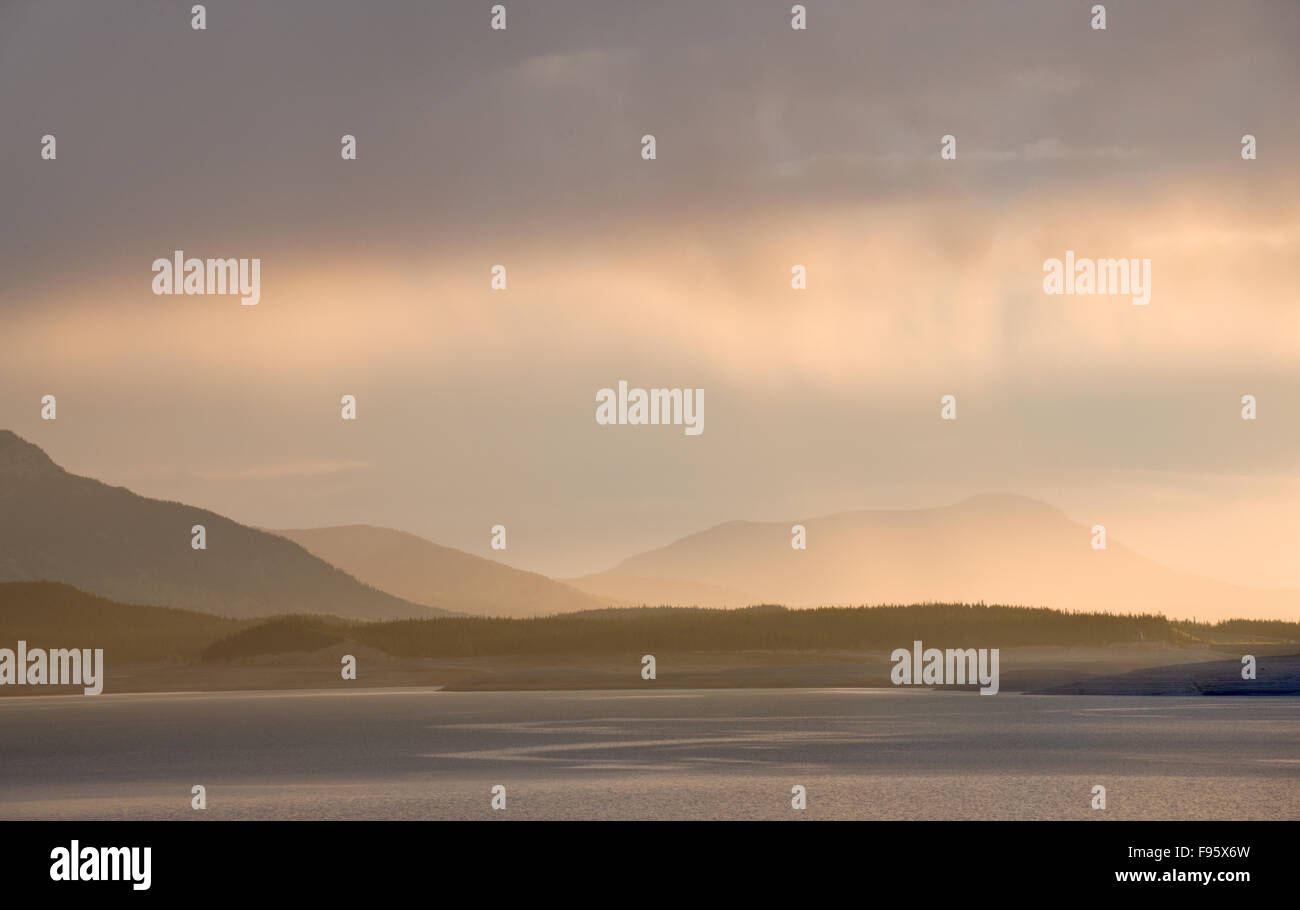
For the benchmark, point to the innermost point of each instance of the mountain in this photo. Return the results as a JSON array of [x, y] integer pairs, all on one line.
[[56, 526], [51, 615], [993, 548], [414, 569]]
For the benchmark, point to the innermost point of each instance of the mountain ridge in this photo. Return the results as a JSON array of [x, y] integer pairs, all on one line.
[[419, 570], [991, 547], [109, 541]]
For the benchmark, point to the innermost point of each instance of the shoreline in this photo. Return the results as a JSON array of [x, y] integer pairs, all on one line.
[[1115, 670]]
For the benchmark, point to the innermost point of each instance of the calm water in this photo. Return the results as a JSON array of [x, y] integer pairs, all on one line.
[[418, 753]]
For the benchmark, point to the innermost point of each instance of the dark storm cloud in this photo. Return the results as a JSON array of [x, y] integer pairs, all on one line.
[[230, 136]]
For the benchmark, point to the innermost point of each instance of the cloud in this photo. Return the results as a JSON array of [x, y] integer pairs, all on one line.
[[911, 291], [582, 68], [461, 129]]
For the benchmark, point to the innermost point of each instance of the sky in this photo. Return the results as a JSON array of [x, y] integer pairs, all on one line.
[[774, 147]]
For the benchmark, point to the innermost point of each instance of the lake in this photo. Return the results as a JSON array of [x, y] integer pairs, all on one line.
[[664, 754]]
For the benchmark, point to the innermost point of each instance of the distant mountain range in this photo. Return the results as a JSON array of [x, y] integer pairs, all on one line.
[[56, 526], [995, 548], [414, 569]]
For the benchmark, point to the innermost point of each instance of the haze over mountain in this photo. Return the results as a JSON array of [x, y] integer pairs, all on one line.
[[417, 570], [56, 526], [993, 548]]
